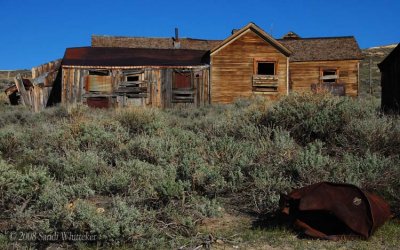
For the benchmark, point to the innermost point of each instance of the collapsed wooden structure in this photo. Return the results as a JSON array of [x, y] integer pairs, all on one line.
[[35, 93], [169, 72]]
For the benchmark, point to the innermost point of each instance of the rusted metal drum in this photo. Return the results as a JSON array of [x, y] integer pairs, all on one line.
[[333, 211]]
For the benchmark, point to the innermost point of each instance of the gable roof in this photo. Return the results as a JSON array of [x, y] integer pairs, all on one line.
[[259, 32], [299, 49], [323, 49], [130, 57], [152, 42]]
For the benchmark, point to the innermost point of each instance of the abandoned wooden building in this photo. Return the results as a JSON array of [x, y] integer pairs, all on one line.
[[111, 77], [390, 81], [165, 72]]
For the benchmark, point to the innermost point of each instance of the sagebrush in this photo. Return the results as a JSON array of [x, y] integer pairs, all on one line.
[[148, 177]]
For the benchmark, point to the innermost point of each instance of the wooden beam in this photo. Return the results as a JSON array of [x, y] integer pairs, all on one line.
[[22, 91]]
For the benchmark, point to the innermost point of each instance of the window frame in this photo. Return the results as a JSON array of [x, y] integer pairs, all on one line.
[[182, 72], [139, 75], [326, 81], [265, 60], [183, 94]]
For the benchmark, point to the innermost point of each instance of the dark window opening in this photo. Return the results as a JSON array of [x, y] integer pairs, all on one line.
[[99, 72], [266, 68], [132, 78]]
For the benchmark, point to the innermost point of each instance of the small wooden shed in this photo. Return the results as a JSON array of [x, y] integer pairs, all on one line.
[[390, 81], [117, 77]]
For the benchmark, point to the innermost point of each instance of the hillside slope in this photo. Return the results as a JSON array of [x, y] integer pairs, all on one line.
[[373, 56], [7, 76]]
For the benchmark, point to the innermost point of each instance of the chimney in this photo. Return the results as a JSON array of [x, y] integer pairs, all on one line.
[[177, 43], [234, 31], [176, 34]]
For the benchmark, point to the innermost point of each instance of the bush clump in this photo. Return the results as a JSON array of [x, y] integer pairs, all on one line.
[[148, 177]]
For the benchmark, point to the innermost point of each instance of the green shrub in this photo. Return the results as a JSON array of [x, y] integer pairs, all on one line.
[[148, 177], [139, 120], [315, 116], [20, 190], [375, 135]]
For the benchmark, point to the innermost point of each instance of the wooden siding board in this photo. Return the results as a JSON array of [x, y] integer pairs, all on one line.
[[233, 68], [304, 74]]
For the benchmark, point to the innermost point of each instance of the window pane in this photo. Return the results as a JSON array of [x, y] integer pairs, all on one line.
[[265, 68]]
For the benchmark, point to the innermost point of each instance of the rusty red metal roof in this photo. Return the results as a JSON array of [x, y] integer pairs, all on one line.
[[120, 57]]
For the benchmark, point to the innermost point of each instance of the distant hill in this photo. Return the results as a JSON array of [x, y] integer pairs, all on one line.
[[373, 56], [7, 76]]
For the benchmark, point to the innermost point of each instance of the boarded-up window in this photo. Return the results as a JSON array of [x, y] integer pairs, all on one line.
[[98, 83], [329, 75], [182, 87], [182, 80], [134, 86]]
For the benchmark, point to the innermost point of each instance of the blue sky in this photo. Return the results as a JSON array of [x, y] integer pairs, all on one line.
[[37, 31]]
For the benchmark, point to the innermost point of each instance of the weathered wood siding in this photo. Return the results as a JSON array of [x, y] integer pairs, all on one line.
[[304, 74], [156, 81], [232, 68]]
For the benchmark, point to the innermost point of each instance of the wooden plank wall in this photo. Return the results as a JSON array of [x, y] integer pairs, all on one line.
[[200, 87], [159, 82], [52, 66], [304, 74], [73, 85], [233, 67]]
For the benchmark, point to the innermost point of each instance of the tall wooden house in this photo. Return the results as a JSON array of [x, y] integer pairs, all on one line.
[[165, 72], [390, 81]]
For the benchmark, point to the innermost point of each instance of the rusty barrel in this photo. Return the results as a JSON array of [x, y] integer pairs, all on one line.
[[335, 210]]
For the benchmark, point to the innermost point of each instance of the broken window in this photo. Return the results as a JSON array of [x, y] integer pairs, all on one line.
[[265, 78], [134, 85], [266, 68], [329, 75], [182, 86], [132, 78]]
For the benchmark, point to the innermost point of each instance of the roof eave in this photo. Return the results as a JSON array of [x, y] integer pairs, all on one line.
[[319, 60]]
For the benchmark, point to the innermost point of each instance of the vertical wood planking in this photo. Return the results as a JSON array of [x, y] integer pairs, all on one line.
[[21, 89]]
